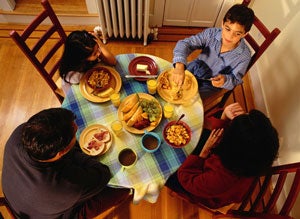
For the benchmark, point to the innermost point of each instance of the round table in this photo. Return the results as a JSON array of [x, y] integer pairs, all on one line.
[[152, 169]]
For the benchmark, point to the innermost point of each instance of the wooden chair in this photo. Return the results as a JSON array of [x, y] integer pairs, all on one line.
[[54, 37], [264, 196], [219, 99], [4, 203]]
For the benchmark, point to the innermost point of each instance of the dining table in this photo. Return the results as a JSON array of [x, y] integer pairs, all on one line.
[[151, 171]]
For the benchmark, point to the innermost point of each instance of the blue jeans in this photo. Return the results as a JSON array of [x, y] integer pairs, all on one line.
[[201, 71]]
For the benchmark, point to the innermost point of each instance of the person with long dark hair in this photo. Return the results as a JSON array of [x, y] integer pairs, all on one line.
[[81, 52], [239, 147]]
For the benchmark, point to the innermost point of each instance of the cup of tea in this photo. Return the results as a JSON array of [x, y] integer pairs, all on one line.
[[127, 158], [150, 141]]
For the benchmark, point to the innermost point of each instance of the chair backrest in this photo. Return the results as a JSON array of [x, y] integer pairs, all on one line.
[[270, 196], [258, 47], [269, 37], [267, 191], [46, 62]]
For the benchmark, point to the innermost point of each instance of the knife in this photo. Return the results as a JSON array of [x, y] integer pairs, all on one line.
[[140, 76]]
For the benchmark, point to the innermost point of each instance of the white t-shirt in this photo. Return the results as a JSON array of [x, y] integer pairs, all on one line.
[[73, 77]]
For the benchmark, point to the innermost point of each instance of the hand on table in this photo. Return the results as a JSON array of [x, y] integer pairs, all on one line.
[[231, 111], [212, 141], [177, 75], [218, 81]]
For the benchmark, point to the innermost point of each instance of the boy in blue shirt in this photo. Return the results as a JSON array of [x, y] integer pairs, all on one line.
[[224, 57]]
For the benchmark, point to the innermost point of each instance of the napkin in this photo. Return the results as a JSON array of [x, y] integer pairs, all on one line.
[[148, 192]]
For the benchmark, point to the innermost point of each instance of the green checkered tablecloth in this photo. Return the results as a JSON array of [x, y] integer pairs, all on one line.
[[152, 169]]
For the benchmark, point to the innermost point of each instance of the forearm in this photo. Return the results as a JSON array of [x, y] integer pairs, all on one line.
[[86, 174], [191, 169], [215, 121], [181, 51], [108, 57], [231, 81], [235, 76]]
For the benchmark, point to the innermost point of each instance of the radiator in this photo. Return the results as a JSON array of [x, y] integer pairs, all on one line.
[[124, 19]]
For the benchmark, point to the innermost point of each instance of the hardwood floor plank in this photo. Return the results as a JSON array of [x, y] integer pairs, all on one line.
[[75, 7]]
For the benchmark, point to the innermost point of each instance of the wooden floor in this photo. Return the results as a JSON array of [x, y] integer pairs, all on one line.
[[74, 7], [24, 93]]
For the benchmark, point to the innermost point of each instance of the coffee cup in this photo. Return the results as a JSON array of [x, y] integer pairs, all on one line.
[[150, 141], [127, 158]]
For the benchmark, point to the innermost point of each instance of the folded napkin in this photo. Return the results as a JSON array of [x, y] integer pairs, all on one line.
[[148, 192]]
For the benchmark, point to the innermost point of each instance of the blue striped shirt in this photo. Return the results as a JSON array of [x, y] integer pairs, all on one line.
[[233, 64]]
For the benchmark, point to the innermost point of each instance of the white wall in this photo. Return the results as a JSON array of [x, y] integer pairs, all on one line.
[[279, 73], [276, 76]]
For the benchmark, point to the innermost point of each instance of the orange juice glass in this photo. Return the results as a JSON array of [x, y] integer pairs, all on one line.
[[168, 110], [115, 99], [151, 85], [117, 127]]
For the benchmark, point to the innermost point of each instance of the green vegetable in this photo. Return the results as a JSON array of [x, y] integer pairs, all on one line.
[[152, 108]]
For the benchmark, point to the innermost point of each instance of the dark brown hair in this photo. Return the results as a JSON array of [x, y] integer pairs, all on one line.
[[250, 144], [48, 132], [240, 14]]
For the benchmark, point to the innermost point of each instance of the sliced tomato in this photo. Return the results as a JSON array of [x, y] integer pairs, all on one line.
[[103, 136]]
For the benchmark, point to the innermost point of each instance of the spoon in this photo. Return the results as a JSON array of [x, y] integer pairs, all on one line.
[[182, 115]]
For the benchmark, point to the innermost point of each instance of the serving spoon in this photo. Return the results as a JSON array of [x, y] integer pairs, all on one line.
[[182, 115]]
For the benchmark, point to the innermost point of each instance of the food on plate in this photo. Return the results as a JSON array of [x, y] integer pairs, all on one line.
[[99, 79], [151, 108], [98, 142], [177, 134], [143, 114], [188, 81], [135, 116], [141, 67], [106, 93], [95, 145], [164, 81], [103, 136], [141, 123], [128, 115], [147, 114], [130, 102], [175, 91]]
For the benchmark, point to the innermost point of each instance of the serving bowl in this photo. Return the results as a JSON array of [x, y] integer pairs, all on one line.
[[177, 134]]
